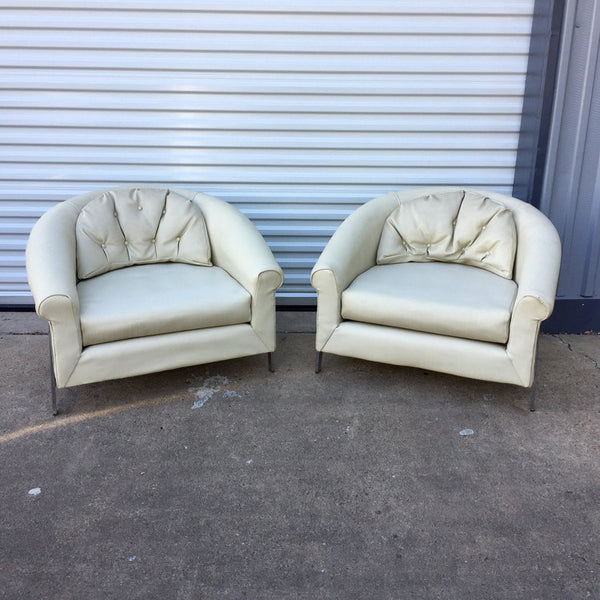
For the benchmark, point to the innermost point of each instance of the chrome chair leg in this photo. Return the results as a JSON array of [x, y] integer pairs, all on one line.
[[52, 380], [533, 385], [532, 398], [318, 362], [54, 404]]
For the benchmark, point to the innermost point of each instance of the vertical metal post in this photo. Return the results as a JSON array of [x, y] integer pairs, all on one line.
[[540, 85]]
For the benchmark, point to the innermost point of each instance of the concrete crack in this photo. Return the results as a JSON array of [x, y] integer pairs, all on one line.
[[30, 333], [583, 354]]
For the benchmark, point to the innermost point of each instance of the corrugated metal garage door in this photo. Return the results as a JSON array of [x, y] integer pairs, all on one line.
[[295, 111]]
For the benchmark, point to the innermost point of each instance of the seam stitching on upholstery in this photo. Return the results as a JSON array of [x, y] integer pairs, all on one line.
[[111, 195], [163, 212], [258, 285], [338, 295], [51, 334]]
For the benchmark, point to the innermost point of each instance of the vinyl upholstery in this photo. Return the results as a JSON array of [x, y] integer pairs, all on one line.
[[158, 305], [129, 226], [153, 299], [368, 310], [460, 226], [447, 299]]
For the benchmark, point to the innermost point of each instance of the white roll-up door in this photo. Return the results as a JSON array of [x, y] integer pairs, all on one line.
[[296, 111]]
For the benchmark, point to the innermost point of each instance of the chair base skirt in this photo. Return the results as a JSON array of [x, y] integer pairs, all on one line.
[[455, 356], [422, 365], [139, 356]]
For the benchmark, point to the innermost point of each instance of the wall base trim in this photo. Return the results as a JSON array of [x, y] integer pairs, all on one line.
[[574, 315]]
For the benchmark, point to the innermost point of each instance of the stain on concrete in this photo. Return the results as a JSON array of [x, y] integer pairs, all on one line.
[[209, 387]]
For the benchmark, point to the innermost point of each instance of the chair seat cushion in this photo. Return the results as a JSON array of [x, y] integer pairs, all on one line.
[[145, 300], [443, 298]]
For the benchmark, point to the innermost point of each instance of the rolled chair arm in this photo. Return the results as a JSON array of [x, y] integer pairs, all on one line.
[[351, 251], [537, 268], [51, 272], [239, 248]]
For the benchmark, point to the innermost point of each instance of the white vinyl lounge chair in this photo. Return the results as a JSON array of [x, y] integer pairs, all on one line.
[[139, 280], [447, 279]]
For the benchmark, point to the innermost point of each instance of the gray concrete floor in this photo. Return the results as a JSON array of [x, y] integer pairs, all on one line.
[[227, 481]]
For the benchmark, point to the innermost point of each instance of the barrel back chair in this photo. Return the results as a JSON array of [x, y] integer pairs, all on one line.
[[447, 279], [139, 280]]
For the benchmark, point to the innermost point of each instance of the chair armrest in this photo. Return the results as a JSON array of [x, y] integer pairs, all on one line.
[[537, 267], [351, 250], [51, 271], [537, 264], [239, 248]]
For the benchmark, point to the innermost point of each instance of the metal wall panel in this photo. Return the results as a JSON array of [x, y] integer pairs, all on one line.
[[295, 111], [571, 193]]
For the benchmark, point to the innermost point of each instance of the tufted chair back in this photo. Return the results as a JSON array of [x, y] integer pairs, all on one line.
[[128, 226], [457, 226]]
